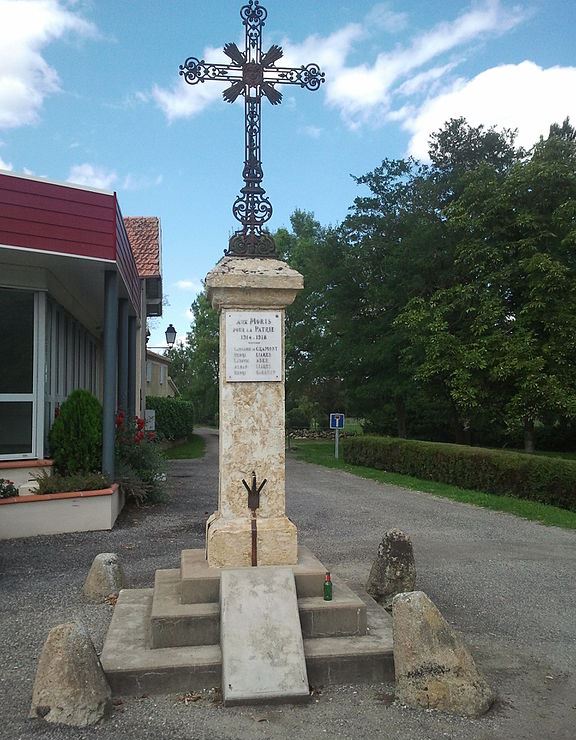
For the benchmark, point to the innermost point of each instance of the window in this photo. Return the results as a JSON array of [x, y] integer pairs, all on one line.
[[148, 371], [162, 374], [17, 379]]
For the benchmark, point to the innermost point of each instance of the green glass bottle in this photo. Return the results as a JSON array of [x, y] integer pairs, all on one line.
[[327, 587]]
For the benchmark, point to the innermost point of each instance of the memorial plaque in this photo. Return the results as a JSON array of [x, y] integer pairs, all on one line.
[[253, 346]]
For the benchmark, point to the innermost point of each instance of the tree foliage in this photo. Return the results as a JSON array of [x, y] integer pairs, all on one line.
[[194, 366], [443, 307]]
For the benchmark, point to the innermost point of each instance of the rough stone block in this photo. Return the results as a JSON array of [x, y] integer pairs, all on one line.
[[70, 686], [434, 669], [105, 577], [229, 542], [394, 570]]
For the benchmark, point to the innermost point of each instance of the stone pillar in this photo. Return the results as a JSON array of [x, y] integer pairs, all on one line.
[[253, 293]]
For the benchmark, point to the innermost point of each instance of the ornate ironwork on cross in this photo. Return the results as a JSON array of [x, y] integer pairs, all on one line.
[[253, 73]]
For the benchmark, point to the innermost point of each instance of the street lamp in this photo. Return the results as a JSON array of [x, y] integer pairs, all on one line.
[[170, 338]]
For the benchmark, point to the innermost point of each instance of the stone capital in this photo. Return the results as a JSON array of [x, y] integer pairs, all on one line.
[[248, 282]]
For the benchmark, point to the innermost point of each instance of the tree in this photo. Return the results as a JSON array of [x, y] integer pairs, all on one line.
[[313, 335], [503, 333], [194, 366]]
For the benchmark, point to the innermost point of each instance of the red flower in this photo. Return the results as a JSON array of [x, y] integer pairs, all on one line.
[[151, 436], [140, 423]]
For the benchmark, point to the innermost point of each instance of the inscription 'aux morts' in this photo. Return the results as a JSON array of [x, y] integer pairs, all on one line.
[[253, 346]]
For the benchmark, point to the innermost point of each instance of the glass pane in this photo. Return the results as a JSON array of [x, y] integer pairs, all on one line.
[[15, 427], [17, 334]]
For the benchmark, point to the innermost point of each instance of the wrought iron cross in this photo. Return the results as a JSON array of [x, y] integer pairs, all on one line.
[[253, 73]]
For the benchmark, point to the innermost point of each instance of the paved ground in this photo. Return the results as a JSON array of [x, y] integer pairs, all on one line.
[[507, 584]]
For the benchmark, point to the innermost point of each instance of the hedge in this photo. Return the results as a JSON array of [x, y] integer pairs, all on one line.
[[174, 417], [544, 479]]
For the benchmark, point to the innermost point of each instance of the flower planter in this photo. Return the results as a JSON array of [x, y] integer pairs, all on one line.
[[57, 513]]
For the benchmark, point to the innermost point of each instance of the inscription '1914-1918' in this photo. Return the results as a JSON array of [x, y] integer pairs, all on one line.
[[253, 346]]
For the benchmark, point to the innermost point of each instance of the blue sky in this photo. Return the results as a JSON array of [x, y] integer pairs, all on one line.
[[90, 93]]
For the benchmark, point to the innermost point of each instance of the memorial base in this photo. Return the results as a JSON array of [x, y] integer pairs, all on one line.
[[229, 542]]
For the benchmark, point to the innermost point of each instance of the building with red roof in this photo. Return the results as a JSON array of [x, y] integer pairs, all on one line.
[[77, 282]]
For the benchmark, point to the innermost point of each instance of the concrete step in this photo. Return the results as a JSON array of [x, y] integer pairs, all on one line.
[[173, 624], [134, 668], [201, 584], [344, 616]]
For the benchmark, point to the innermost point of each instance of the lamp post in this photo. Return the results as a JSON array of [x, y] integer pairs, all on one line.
[[170, 335]]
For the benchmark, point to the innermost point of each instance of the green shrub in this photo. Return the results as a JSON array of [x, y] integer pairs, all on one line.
[[547, 480], [174, 417], [54, 483], [7, 488], [76, 435], [297, 418], [140, 464]]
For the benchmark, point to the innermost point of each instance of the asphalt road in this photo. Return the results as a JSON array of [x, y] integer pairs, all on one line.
[[508, 585]]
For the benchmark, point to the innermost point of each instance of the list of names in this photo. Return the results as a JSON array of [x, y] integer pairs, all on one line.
[[253, 346]]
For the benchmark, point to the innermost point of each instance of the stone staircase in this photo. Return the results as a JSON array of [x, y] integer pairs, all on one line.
[[167, 639]]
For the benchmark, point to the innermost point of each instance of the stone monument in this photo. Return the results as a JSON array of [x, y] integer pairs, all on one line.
[[247, 612], [251, 290], [251, 296]]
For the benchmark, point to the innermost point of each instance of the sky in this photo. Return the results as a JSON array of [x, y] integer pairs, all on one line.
[[90, 93]]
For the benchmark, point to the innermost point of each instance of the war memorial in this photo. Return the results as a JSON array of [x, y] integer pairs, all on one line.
[[248, 611]]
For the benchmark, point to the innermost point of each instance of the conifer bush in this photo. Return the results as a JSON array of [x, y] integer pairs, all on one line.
[[76, 435]]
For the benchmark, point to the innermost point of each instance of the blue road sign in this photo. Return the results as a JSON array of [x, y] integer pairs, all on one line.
[[337, 421]]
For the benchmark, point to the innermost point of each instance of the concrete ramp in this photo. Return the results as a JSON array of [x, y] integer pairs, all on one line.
[[261, 639]]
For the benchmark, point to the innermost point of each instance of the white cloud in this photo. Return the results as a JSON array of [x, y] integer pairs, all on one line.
[[140, 182], [523, 96], [182, 100], [383, 17], [193, 285], [328, 52], [314, 132], [365, 90], [26, 78], [425, 80], [5, 165], [92, 176]]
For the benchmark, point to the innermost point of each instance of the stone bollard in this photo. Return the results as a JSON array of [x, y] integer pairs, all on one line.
[[394, 570], [70, 686], [434, 669], [105, 577]]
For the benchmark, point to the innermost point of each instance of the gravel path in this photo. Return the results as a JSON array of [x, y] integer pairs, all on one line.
[[507, 584]]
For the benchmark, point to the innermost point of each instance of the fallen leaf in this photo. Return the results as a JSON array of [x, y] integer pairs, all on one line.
[[260, 718], [111, 599]]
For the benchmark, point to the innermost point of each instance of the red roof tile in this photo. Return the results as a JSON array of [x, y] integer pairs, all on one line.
[[144, 235]]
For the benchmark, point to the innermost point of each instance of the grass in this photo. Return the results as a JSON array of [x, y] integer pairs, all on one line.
[[322, 453], [563, 455], [191, 449]]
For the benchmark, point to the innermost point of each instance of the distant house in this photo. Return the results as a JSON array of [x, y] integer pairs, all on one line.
[[77, 282], [158, 380]]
